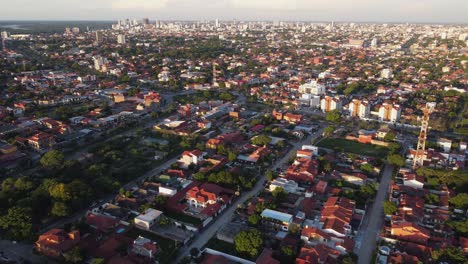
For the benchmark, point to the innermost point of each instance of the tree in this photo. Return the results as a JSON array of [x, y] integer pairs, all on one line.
[[431, 198], [366, 167], [329, 131], [74, 255], [269, 175], [389, 208], [249, 242], [52, 160], [461, 227], [98, 261], [279, 193], [254, 219], [396, 159], [17, 223], [261, 140], [460, 201], [60, 191], [449, 255], [333, 116], [390, 136], [59, 209], [232, 155]]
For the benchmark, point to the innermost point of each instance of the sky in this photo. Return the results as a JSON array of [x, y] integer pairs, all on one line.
[[444, 11]]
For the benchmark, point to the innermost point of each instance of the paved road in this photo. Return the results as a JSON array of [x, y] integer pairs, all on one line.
[[20, 252], [367, 237], [202, 238]]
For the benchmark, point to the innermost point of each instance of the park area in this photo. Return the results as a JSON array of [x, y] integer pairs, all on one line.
[[349, 146]]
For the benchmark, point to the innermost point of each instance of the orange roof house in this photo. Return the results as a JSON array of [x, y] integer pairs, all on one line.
[[303, 170], [55, 242], [409, 231]]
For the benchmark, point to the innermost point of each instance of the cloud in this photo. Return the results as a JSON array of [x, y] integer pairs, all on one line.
[[140, 4]]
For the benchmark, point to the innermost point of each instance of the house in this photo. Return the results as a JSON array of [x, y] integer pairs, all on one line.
[[147, 219], [413, 180], [292, 118], [255, 156], [354, 178], [320, 253], [304, 153], [409, 231], [288, 186], [41, 141], [102, 223], [445, 144], [199, 197], [302, 170], [277, 221], [55, 242], [191, 157], [144, 247], [336, 215]]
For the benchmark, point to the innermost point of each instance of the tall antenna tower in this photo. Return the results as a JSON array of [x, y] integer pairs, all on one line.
[[420, 150]]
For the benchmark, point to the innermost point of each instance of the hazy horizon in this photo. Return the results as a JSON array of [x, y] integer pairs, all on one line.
[[365, 11]]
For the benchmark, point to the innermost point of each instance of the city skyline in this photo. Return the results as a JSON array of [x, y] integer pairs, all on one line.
[[451, 11]]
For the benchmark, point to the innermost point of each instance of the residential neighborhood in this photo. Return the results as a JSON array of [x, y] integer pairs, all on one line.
[[154, 141]]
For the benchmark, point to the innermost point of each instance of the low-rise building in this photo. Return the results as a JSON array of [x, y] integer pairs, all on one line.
[[147, 219]]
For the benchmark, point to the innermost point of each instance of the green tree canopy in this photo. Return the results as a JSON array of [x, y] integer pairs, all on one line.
[[396, 159], [53, 160], [17, 223], [333, 116], [389, 208], [460, 201], [261, 140], [249, 242], [451, 255]]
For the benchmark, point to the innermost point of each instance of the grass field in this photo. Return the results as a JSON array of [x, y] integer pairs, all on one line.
[[354, 147]]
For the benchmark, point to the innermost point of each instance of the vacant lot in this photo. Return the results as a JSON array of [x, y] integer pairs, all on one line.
[[354, 147]]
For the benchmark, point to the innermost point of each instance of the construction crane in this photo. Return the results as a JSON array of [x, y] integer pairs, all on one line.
[[420, 150]]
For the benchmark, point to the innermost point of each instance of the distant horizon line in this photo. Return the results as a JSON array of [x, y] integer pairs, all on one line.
[[238, 20]]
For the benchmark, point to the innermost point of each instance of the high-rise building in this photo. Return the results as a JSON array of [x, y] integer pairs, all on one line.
[[217, 23], [99, 36], [98, 62], [358, 108], [145, 21], [76, 30], [389, 112], [4, 35], [374, 42], [121, 39], [329, 103]]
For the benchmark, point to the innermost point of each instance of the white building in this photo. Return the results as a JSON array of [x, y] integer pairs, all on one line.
[[147, 219], [310, 147], [389, 112], [446, 144], [313, 87], [358, 108], [98, 62], [121, 39], [386, 73], [167, 191], [288, 186]]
